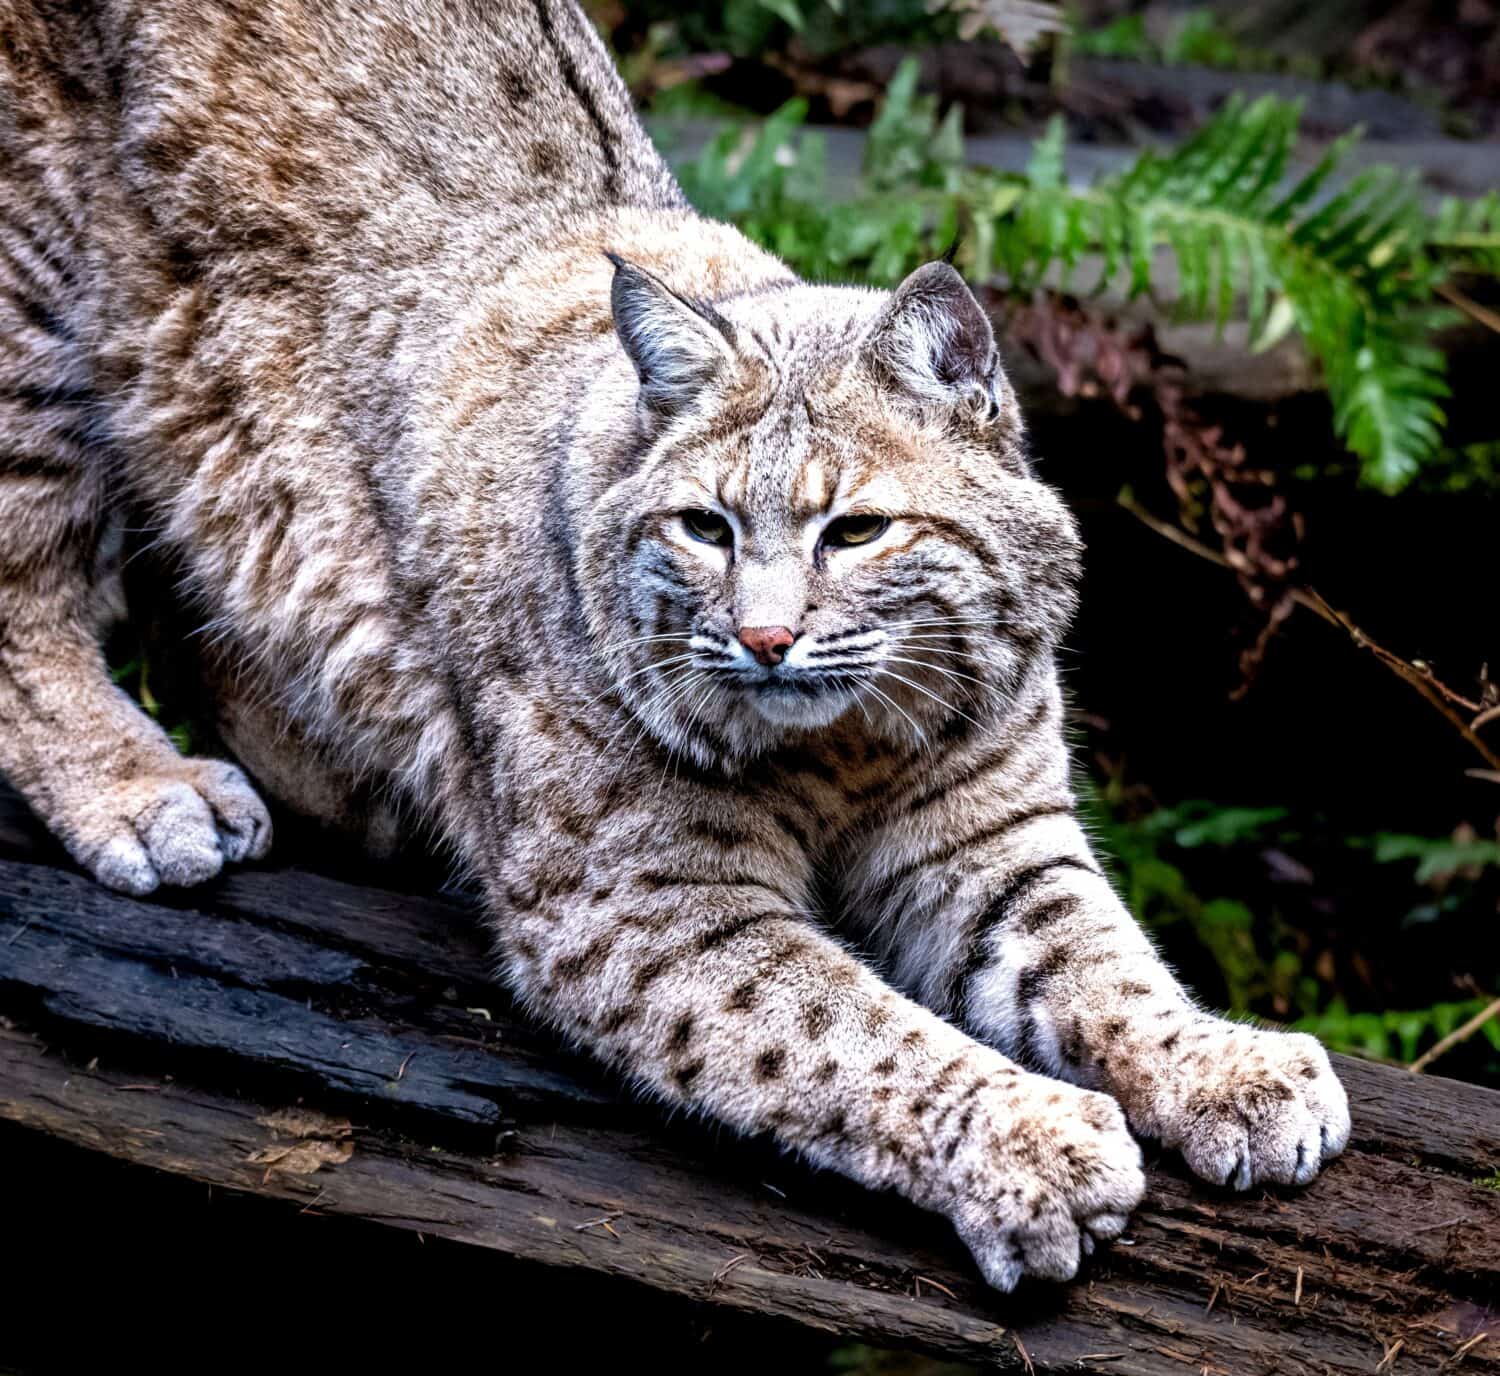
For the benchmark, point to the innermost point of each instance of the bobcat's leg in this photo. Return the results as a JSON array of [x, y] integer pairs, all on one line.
[[94, 767], [661, 923], [1004, 921]]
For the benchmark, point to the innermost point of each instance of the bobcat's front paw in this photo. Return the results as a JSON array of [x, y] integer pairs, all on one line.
[[1247, 1105], [176, 827], [1042, 1178]]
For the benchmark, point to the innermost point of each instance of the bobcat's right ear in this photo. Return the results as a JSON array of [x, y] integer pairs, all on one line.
[[676, 345]]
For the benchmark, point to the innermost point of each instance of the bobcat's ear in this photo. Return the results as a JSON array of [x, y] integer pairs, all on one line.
[[934, 342], [676, 345]]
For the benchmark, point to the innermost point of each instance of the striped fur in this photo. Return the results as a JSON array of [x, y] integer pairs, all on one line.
[[389, 329]]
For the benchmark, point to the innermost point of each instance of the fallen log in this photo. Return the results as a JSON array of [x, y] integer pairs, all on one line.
[[304, 1038]]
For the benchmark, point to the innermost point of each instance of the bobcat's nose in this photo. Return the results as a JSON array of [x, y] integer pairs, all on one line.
[[766, 643]]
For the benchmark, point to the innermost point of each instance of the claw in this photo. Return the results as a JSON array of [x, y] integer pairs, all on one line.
[[1239, 1174]]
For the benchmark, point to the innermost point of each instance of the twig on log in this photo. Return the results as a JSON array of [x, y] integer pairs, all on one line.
[[1459, 1034], [603, 1221]]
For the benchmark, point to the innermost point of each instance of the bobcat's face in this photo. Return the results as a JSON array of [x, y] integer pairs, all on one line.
[[834, 519]]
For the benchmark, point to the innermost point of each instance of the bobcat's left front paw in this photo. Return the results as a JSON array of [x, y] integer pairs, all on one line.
[[1246, 1105]]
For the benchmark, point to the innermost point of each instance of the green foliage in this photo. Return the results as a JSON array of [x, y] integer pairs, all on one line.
[[134, 676], [1469, 233], [1123, 37], [1154, 863], [1157, 890], [1394, 1035], [751, 28], [1436, 859], [1195, 38], [1218, 228], [1195, 824], [1489, 1182]]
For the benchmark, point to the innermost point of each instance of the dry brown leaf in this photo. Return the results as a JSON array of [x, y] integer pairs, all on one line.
[[322, 1141], [305, 1122], [301, 1158]]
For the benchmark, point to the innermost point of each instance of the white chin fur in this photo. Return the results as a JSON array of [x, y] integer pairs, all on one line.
[[793, 710]]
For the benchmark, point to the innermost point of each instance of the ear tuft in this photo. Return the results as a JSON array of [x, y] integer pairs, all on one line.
[[934, 342], [676, 345]]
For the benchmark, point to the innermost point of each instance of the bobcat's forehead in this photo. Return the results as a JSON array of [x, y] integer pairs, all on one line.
[[800, 460]]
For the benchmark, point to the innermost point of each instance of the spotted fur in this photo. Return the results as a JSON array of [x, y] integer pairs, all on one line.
[[470, 450]]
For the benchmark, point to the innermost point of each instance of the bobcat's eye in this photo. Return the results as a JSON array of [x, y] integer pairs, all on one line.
[[855, 530], [709, 527]]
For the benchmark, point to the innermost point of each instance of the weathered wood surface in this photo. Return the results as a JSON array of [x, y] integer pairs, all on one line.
[[278, 1020]]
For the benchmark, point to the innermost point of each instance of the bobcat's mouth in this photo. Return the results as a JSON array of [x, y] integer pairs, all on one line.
[[798, 699], [799, 686]]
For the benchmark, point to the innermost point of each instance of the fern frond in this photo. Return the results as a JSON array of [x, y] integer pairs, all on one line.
[[1468, 233], [1348, 261], [1217, 228]]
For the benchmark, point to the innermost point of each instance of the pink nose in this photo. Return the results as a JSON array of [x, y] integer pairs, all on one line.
[[766, 643]]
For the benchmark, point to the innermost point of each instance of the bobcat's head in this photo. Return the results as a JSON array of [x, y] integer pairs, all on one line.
[[826, 511]]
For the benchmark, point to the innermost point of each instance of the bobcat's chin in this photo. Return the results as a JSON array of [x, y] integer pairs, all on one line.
[[798, 710]]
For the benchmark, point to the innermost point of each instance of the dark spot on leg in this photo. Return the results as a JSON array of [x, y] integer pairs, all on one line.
[[545, 159], [817, 1019], [769, 1064], [680, 1035]]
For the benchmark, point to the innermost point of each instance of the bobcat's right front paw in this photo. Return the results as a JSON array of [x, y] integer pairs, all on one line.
[[170, 828], [1044, 1179]]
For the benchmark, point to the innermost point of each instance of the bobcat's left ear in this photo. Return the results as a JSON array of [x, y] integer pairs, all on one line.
[[675, 344], [934, 342]]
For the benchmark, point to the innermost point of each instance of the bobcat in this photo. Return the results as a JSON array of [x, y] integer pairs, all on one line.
[[708, 616]]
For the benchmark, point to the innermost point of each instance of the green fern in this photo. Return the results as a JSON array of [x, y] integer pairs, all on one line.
[[1349, 263], [1468, 233], [1347, 267]]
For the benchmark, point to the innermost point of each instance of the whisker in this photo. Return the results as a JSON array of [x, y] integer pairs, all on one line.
[[631, 719], [643, 639], [943, 646], [936, 668], [938, 621], [891, 702], [977, 660], [911, 683], [685, 679], [636, 673], [698, 705]]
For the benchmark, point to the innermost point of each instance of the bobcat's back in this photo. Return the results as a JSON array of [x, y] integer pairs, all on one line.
[[311, 129]]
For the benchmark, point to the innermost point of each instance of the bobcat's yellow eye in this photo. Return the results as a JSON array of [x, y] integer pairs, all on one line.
[[709, 527], [855, 530]]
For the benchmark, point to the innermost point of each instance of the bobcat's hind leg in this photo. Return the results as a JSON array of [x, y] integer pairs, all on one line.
[[99, 772]]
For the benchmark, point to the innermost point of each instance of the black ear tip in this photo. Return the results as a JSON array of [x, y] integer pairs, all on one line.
[[620, 263]]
